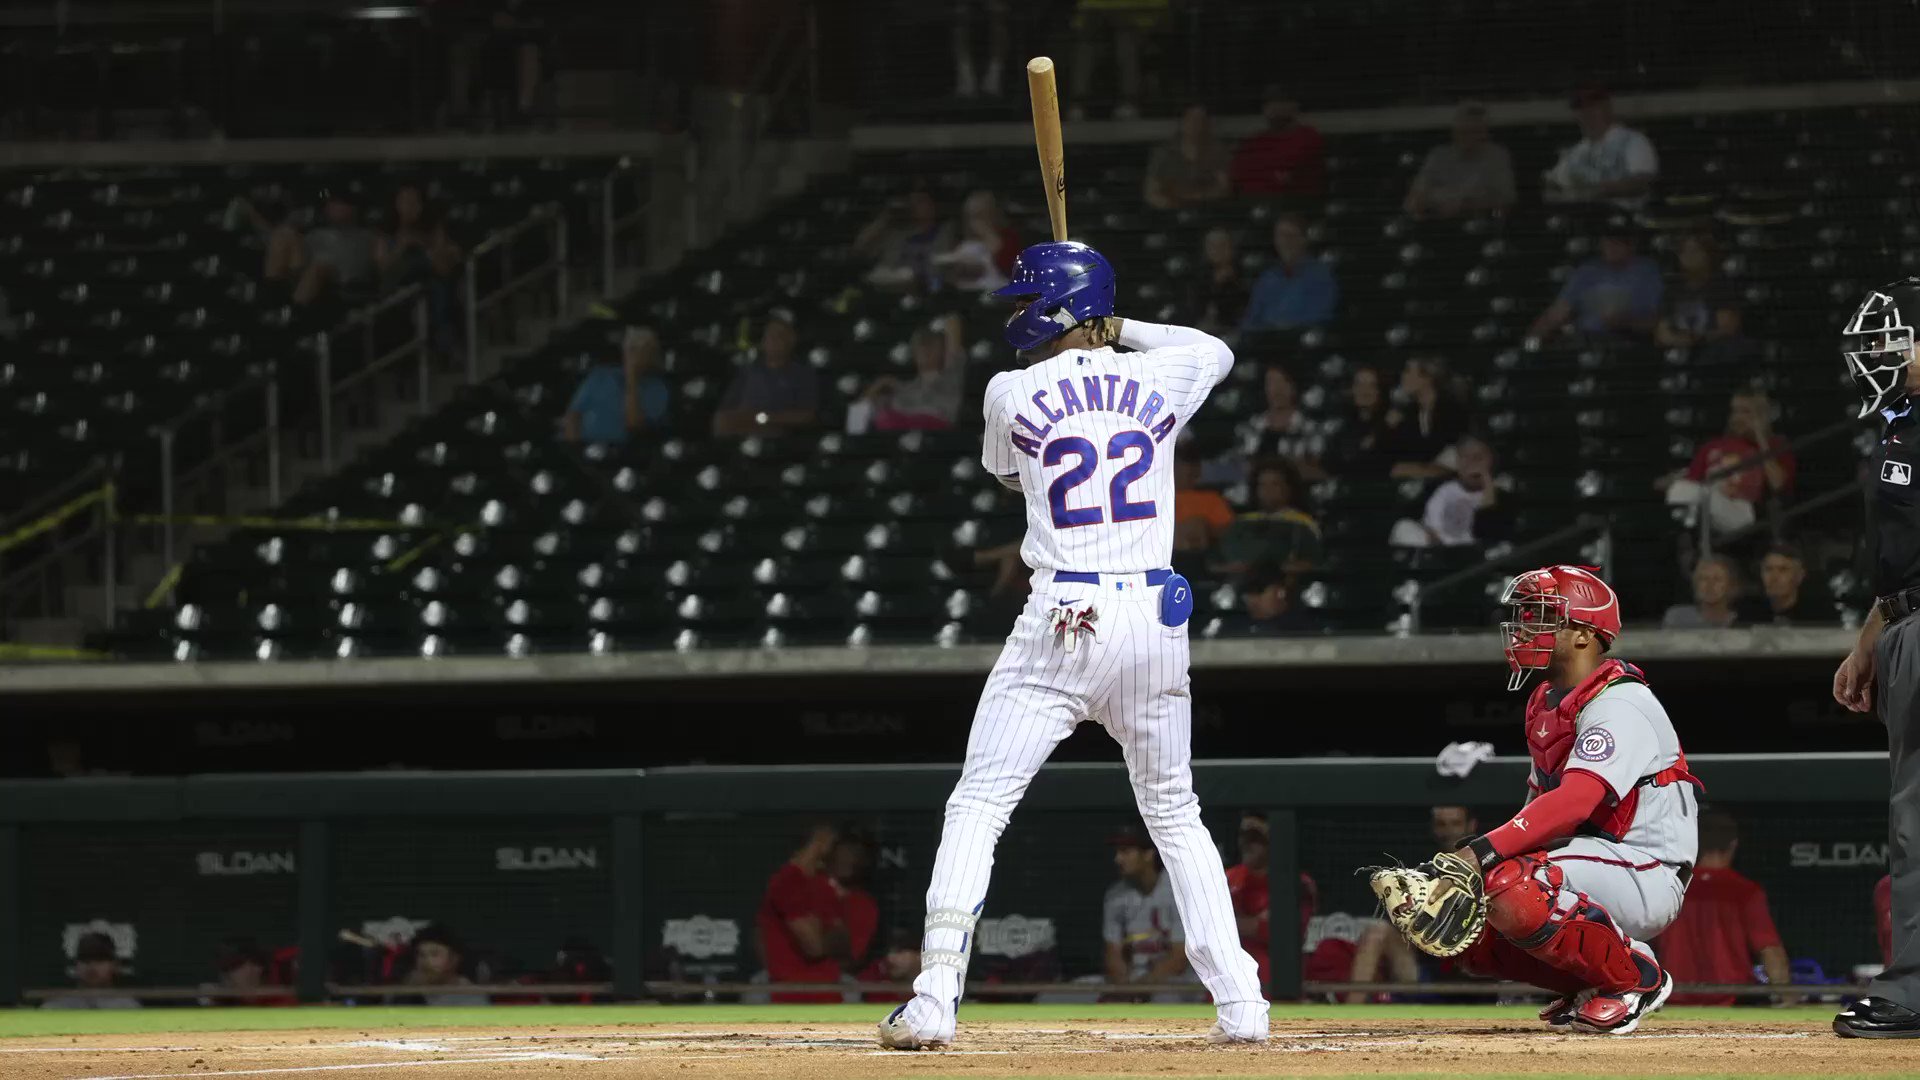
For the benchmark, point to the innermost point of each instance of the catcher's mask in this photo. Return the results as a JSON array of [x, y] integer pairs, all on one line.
[[1877, 344], [1541, 603]]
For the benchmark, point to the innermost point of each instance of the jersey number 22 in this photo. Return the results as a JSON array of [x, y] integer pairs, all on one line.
[[1118, 447]]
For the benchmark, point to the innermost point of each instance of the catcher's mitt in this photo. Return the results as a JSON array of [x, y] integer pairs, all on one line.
[[1440, 906]]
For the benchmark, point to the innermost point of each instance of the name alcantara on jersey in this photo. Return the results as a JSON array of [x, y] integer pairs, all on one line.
[[1097, 393]]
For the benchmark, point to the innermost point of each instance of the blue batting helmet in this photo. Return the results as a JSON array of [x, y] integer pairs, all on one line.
[[1068, 284]]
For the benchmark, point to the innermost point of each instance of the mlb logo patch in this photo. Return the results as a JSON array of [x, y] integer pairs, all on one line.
[[1896, 472]]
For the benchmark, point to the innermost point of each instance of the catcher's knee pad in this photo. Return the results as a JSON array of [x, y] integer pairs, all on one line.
[[1529, 904]]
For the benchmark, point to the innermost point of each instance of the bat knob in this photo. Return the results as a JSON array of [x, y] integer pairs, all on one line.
[[1040, 65]]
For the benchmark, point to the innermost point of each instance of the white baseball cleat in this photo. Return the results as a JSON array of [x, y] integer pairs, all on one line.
[[1240, 1022], [897, 1034], [1220, 1036]]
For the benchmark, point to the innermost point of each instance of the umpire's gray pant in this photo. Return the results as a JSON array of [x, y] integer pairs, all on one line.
[[1897, 694]]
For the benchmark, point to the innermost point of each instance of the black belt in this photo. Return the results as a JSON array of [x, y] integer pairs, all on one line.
[[1896, 606]]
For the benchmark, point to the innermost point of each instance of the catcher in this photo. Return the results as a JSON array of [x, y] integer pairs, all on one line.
[[1566, 894]]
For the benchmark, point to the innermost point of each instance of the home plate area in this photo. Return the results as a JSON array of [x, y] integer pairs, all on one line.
[[1006, 1048]]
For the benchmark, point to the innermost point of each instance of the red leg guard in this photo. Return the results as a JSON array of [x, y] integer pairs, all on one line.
[[1529, 904], [1495, 957]]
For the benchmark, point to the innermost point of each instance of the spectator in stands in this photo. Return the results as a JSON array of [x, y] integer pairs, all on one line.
[[509, 64], [339, 254], [1298, 290], [774, 395], [1733, 500], [931, 399], [285, 255], [1217, 297], [96, 968], [1786, 597], [1455, 511], [615, 400], [986, 249], [1701, 307], [987, 219], [966, 83], [1358, 438], [1140, 922], [1266, 595], [1123, 23], [1716, 585], [1190, 168], [1382, 954], [1470, 175], [1287, 159], [1425, 422], [1611, 163], [1614, 295], [847, 868], [902, 240], [415, 248], [1200, 515], [1277, 531], [1725, 925], [802, 928], [1281, 429], [437, 959]]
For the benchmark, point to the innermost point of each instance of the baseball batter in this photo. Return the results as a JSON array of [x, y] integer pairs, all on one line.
[[1087, 434], [1597, 861]]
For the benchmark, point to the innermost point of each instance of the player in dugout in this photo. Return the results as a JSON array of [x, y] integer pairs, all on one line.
[[1726, 923]]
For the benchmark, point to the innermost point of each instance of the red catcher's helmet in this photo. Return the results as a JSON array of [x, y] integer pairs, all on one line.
[[1545, 601]]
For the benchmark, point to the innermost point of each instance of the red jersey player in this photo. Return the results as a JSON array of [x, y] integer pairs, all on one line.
[[1725, 924]]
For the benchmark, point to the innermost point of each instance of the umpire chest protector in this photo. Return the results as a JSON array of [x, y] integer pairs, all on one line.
[[1552, 728], [1893, 505]]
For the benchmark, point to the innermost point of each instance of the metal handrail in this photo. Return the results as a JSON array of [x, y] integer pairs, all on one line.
[[1586, 523], [104, 525], [548, 214], [168, 432], [52, 497], [613, 225], [1821, 501]]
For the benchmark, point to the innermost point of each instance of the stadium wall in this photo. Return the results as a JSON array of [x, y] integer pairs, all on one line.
[[1762, 690], [663, 869]]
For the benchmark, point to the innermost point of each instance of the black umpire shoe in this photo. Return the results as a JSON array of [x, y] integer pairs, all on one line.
[[1877, 1018]]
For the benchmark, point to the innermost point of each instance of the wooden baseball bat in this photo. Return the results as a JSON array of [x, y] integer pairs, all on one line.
[[1046, 136]]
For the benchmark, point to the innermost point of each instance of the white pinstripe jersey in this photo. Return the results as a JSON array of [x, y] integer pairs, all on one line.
[[1090, 436]]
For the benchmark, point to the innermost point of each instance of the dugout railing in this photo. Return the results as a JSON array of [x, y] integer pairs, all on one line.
[[642, 857]]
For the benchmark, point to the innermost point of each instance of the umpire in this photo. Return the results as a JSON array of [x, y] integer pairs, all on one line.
[[1878, 344]]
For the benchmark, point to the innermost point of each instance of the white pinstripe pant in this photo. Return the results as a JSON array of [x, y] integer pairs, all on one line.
[[1133, 681]]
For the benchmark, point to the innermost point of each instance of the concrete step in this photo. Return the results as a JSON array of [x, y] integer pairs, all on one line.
[[66, 631], [144, 570], [88, 601], [250, 500]]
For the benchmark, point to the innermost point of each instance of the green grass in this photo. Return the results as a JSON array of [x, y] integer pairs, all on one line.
[[372, 1019]]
